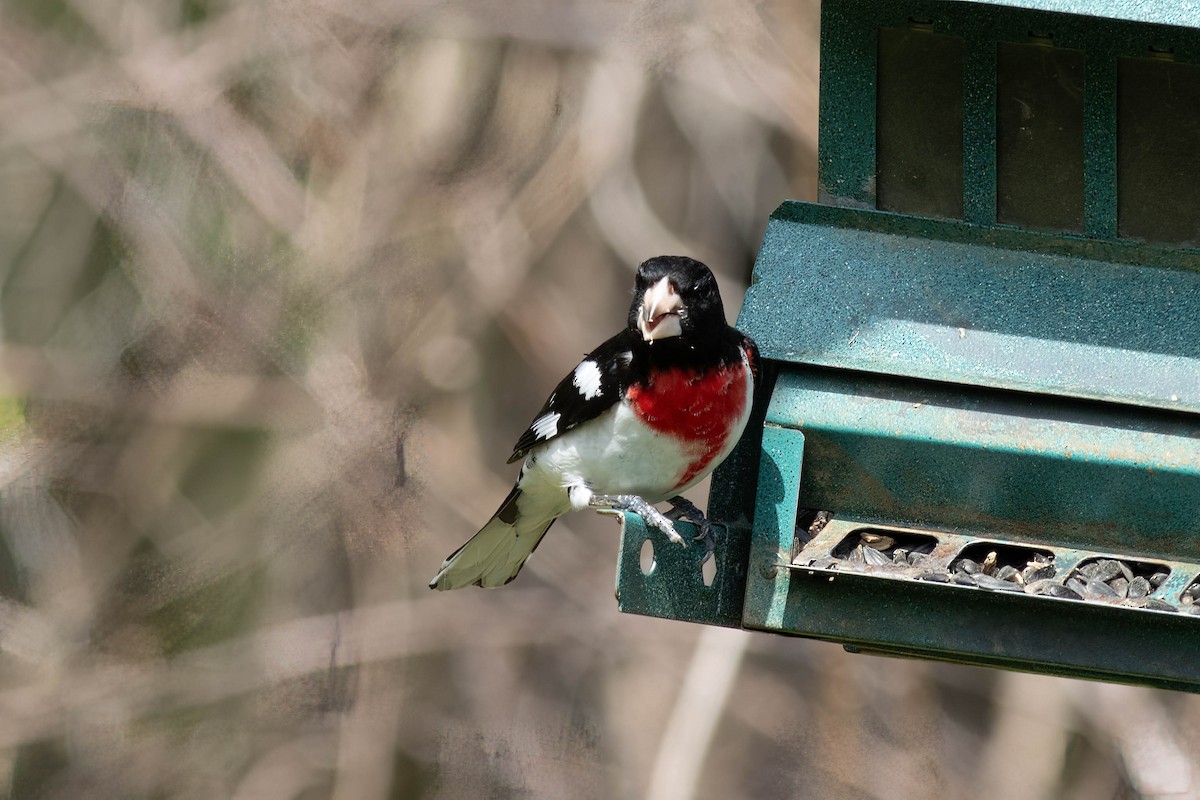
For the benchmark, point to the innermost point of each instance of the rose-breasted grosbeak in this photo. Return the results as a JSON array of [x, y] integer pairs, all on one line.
[[644, 416]]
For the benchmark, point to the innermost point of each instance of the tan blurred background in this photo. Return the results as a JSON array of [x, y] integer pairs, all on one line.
[[281, 284]]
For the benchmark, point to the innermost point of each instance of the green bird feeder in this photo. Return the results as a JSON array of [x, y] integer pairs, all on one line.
[[979, 441]]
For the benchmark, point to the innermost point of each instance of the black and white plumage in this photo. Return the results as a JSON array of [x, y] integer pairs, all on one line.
[[644, 416]]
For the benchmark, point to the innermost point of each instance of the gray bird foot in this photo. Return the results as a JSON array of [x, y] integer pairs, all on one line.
[[684, 509], [636, 505]]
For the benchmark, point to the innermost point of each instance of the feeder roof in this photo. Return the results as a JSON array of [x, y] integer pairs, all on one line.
[[1180, 13]]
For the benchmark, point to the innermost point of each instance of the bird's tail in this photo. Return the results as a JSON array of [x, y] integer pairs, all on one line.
[[495, 555]]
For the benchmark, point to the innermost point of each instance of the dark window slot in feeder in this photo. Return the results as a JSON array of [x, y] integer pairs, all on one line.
[[1039, 136], [1117, 579], [1158, 135], [994, 565], [878, 547], [919, 126]]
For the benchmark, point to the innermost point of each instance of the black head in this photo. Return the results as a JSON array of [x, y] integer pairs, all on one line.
[[675, 297]]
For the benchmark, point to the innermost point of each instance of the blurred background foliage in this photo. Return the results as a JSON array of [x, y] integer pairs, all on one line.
[[279, 285]]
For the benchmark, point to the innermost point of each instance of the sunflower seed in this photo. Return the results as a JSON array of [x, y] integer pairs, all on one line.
[[874, 557], [876, 541], [1139, 587], [1158, 578], [992, 583], [1040, 586], [1155, 604], [1061, 592], [1037, 571], [1008, 573], [1103, 570], [968, 566], [1098, 589]]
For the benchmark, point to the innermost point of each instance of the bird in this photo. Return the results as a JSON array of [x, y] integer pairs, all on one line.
[[641, 419]]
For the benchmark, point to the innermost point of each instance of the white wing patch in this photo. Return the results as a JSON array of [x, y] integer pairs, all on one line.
[[545, 427], [627, 357], [587, 379]]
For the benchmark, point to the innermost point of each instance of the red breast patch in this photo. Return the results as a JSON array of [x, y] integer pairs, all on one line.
[[698, 407]]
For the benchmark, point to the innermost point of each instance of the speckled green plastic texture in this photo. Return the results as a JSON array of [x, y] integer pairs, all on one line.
[[1185, 13], [964, 304]]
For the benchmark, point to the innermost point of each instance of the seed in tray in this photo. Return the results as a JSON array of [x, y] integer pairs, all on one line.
[[1008, 573], [1120, 585], [1051, 588], [876, 541], [1061, 592], [968, 566], [900, 557], [1192, 591], [993, 583], [1159, 605], [874, 557], [1103, 570], [1078, 586], [989, 564], [1037, 571], [916, 559], [1040, 586], [1125, 570], [1139, 587], [1158, 578], [963, 579], [936, 577], [1097, 589]]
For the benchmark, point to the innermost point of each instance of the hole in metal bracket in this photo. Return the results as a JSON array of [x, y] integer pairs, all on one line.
[[646, 557]]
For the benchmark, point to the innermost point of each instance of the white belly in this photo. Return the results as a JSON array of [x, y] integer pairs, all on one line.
[[616, 453]]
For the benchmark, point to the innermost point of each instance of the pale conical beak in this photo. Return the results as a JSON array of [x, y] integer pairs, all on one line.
[[658, 317]]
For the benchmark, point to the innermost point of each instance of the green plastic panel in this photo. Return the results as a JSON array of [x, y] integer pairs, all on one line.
[[1018, 467], [674, 587], [1184, 13], [957, 303]]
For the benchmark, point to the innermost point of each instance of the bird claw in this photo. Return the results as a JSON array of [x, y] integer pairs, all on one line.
[[636, 505], [686, 510]]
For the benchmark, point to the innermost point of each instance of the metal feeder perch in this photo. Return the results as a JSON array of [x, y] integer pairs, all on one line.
[[984, 353]]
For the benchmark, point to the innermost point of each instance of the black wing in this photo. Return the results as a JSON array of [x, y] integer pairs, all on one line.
[[592, 388]]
